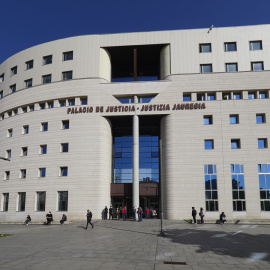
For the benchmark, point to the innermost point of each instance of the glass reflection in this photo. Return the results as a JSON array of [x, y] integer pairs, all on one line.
[[148, 159]]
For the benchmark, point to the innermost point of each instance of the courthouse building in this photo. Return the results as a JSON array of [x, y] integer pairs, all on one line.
[[168, 119]]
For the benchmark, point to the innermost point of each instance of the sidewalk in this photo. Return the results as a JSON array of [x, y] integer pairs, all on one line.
[[131, 245]]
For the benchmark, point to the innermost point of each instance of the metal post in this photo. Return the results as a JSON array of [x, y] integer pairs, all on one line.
[[162, 234]]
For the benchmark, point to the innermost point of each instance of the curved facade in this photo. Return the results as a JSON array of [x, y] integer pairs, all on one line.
[[196, 100]]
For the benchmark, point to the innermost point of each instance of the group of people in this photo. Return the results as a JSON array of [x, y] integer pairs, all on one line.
[[49, 219], [121, 212], [222, 217]]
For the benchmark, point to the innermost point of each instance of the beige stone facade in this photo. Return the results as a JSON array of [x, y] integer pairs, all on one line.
[[184, 96]]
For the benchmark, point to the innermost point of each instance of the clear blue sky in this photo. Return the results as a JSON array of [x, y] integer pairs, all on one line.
[[25, 23]]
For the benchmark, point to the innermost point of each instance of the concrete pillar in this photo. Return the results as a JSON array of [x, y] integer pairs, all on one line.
[[135, 185]]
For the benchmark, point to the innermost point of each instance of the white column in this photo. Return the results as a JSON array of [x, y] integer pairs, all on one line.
[[135, 186]]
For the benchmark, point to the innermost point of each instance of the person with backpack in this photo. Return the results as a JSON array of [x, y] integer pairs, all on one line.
[[89, 216], [194, 214]]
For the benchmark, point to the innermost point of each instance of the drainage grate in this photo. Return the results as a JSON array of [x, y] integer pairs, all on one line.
[[182, 263]]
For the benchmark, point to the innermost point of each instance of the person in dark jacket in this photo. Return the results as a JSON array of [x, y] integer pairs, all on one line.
[[63, 219], [111, 213], [89, 216], [28, 219], [194, 214], [222, 218], [105, 212]]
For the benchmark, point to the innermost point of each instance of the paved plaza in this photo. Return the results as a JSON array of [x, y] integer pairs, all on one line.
[[131, 245]]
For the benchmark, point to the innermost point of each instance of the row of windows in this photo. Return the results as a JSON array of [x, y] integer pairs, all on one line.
[[64, 148], [231, 46], [238, 187], [63, 171], [45, 105], [62, 204], [232, 67], [236, 143], [43, 127], [234, 95], [234, 119], [46, 60], [66, 75]]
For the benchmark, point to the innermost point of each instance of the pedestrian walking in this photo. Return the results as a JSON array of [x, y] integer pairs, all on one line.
[[111, 213], [139, 214], [194, 214], [201, 214], [89, 216], [124, 213]]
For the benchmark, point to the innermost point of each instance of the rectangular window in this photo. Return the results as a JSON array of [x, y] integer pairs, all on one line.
[[264, 183], [257, 66], [211, 96], [68, 56], [67, 75], [50, 105], [62, 200], [251, 95], [262, 95], [71, 102], [13, 88], [207, 119], [23, 173], [226, 96], [187, 97], [236, 95], [63, 171], [238, 187], [255, 45], [29, 64], [65, 124], [206, 68], [64, 147], [260, 118], [234, 119], [47, 78], [42, 106], [21, 201], [28, 83], [235, 144], [1, 94], [84, 101], [126, 100], [44, 126], [262, 143], [25, 129], [2, 77], [231, 67], [41, 201], [230, 47], [10, 133], [24, 109], [5, 201], [47, 60], [24, 151], [15, 112], [13, 71], [211, 193], [208, 144], [62, 103], [8, 154], [7, 175], [205, 48], [43, 149], [201, 96], [31, 108], [42, 172]]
